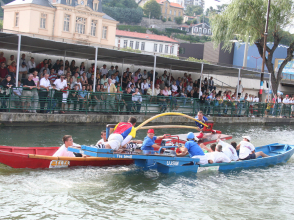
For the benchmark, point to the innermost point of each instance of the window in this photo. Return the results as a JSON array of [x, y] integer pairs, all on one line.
[[16, 19], [43, 21], [95, 6], [66, 23], [137, 45], [131, 44], [166, 49], [68, 2], [143, 46], [200, 30], [125, 43], [175, 13], [172, 49], [204, 31], [209, 31], [160, 48], [155, 47], [104, 32], [179, 13], [80, 25], [196, 29], [170, 12], [93, 27]]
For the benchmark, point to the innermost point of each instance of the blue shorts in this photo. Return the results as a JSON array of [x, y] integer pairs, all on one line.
[[249, 157]]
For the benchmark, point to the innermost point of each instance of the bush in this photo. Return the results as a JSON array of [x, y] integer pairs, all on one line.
[[1, 24], [174, 30], [195, 21], [128, 49], [188, 22], [163, 19], [169, 19], [170, 56], [193, 39], [127, 15], [179, 20], [132, 28], [192, 59], [153, 8]]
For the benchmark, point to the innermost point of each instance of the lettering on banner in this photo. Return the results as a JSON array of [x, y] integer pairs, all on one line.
[[172, 163], [59, 164]]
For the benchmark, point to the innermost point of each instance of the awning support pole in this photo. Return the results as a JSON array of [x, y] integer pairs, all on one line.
[[95, 70], [154, 68], [122, 73], [238, 83], [64, 62], [200, 79], [18, 59], [170, 73]]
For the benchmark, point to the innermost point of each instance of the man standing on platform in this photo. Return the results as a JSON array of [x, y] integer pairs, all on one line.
[[111, 97]]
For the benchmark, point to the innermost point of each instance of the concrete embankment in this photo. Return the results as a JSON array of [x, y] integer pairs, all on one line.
[[12, 119]]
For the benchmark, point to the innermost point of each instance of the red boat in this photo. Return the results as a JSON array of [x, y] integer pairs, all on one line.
[[41, 157]]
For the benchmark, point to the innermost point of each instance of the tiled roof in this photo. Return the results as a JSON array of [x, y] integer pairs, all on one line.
[[36, 2], [171, 3], [153, 37]]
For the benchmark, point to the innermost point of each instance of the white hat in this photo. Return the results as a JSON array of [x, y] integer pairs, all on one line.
[[247, 137]]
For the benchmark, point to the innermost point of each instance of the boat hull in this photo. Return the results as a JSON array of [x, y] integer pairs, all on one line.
[[18, 157]]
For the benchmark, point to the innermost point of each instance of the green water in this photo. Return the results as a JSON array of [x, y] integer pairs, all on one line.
[[125, 192]]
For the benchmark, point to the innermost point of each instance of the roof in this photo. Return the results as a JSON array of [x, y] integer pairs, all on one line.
[[108, 17], [145, 36], [45, 3], [170, 3]]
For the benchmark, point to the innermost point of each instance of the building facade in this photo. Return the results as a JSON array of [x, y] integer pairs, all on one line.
[[152, 43], [80, 21], [197, 29], [169, 10]]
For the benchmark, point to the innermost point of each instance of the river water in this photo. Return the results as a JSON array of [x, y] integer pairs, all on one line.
[[125, 192]]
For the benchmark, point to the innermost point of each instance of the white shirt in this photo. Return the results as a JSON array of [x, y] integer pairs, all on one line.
[[256, 100], [60, 85], [144, 85], [218, 157], [144, 76], [31, 65], [60, 72], [101, 141], [279, 100], [174, 88], [103, 71], [23, 69], [18, 91], [44, 82], [285, 100], [63, 152], [240, 88], [229, 150], [245, 149]]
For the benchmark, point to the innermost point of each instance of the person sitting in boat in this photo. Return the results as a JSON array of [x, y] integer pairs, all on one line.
[[103, 139], [202, 118], [149, 141], [121, 136], [192, 147], [63, 152], [229, 149], [217, 156], [247, 150]]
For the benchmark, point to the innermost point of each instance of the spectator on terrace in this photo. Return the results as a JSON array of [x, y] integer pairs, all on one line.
[[75, 77], [111, 97], [60, 71], [135, 77], [66, 64], [67, 70], [78, 82], [3, 71], [241, 89], [185, 76], [180, 86], [162, 85], [43, 93], [82, 68], [145, 87], [175, 87], [44, 68], [190, 87], [84, 79], [175, 105], [72, 66], [50, 64], [162, 101], [17, 95], [116, 70], [103, 80], [183, 94], [12, 67], [89, 73], [41, 64], [53, 75], [128, 70], [149, 81], [139, 85], [9, 62], [144, 75], [91, 81], [211, 84], [2, 58], [60, 86], [118, 98], [6, 85], [111, 71], [56, 66], [127, 99], [96, 99], [165, 91], [27, 94], [178, 81], [205, 82], [31, 65], [82, 98], [132, 82], [67, 76], [124, 80], [103, 70], [23, 60], [164, 77], [73, 98], [189, 78], [137, 100], [36, 78], [113, 78]]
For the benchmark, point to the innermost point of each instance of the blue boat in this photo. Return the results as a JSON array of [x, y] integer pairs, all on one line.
[[168, 162]]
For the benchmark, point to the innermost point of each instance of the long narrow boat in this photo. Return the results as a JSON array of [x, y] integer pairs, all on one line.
[[41, 157], [278, 154]]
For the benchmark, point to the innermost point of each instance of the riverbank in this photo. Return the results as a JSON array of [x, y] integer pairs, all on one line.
[[13, 119]]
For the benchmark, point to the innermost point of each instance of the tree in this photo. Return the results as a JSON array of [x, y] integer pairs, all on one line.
[[244, 18], [188, 22], [153, 8], [120, 3], [179, 20], [127, 15], [193, 10]]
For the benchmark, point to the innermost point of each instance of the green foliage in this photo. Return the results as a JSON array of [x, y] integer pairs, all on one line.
[[169, 19], [179, 20], [120, 3], [133, 28], [188, 22], [193, 10], [243, 18], [192, 59], [195, 21], [1, 24], [163, 19], [170, 56], [153, 8], [287, 39], [174, 30], [205, 19], [128, 49], [127, 15], [193, 39]]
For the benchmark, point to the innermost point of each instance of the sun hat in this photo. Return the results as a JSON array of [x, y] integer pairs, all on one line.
[[247, 137]]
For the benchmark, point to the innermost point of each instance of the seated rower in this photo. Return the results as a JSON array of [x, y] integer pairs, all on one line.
[[63, 152], [149, 141], [191, 147], [121, 136], [229, 149], [247, 150], [217, 156], [103, 139]]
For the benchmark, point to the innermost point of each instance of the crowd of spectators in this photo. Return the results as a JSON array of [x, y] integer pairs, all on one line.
[[57, 84]]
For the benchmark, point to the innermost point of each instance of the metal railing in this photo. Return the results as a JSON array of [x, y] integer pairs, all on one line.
[[86, 102]]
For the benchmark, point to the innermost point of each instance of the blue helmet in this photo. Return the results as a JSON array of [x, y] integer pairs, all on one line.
[[190, 135]]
